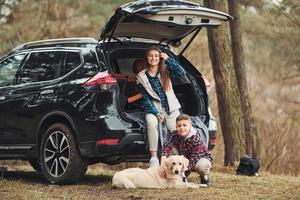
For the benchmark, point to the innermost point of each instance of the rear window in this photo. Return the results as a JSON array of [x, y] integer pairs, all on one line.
[[125, 65], [73, 60], [89, 68], [122, 60], [158, 4]]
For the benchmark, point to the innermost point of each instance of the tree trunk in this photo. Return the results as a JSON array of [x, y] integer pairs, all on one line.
[[251, 139], [229, 106]]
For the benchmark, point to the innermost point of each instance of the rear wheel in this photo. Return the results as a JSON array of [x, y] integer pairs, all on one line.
[[60, 159]]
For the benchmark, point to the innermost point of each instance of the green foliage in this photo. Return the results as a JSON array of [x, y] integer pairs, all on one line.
[[258, 4], [36, 20], [272, 38]]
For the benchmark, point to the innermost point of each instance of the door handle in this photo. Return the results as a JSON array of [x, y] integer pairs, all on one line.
[[2, 98], [46, 92]]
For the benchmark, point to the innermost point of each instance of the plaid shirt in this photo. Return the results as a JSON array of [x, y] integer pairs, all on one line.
[[175, 69], [192, 147], [158, 89]]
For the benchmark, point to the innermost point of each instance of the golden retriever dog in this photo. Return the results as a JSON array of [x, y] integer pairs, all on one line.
[[152, 178]]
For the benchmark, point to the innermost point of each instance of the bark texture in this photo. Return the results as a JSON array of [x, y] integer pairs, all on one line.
[[251, 139], [230, 110]]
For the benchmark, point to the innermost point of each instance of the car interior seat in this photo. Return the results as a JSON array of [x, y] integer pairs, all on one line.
[[137, 66], [130, 94]]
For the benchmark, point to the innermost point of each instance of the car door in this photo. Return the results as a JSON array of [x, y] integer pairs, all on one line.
[[162, 21], [8, 69], [33, 93]]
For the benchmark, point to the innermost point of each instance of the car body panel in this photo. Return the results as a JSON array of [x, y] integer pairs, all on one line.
[[24, 102]]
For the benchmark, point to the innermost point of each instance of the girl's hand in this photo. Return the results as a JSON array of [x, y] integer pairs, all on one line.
[[160, 117], [164, 55]]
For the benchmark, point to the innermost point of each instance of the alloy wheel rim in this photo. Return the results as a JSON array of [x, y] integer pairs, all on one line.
[[57, 154]]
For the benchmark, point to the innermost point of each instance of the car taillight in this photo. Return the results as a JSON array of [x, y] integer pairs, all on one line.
[[107, 141], [104, 79]]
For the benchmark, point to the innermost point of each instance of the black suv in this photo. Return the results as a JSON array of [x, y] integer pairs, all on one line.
[[68, 103]]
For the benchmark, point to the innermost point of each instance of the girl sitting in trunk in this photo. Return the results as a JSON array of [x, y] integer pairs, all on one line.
[[159, 99]]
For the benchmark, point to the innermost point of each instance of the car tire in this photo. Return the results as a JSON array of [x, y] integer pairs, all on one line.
[[84, 168], [60, 159], [35, 164]]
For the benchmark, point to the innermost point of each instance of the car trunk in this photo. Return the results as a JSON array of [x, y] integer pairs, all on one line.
[[138, 25], [190, 93], [165, 23]]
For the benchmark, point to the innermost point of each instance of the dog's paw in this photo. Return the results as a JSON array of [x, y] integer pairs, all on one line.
[[203, 186], [193, 185]]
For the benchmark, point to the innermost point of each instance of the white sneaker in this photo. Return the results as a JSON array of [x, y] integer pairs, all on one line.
[[154, 162]]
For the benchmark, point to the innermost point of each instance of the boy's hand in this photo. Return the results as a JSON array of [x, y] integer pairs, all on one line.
[[163, 168], [162, 171]]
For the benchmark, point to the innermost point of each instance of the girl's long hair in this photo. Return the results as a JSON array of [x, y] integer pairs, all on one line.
[[162, 68]]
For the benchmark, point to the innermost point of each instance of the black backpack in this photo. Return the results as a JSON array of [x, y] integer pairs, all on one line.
[[248, 166]]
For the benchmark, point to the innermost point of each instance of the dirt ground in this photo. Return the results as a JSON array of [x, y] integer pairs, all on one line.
[[22, 182]]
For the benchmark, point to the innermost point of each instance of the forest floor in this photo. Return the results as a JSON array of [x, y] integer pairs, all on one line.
[[22, 182]]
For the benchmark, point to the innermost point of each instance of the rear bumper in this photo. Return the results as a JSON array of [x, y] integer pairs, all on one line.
[[130, 145]]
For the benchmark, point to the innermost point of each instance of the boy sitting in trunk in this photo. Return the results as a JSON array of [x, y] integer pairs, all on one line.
[[188, 142]]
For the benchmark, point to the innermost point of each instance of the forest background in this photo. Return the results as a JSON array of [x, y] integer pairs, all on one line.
[[271, 41]]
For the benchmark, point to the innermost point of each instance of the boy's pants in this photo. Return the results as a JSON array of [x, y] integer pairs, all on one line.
[[203, 166]]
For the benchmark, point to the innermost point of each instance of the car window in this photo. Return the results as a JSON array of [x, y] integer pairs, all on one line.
[[42, 66], [90, 66], [101, 59], [73, 60], [125, 65], [123, 60], [8, 69]]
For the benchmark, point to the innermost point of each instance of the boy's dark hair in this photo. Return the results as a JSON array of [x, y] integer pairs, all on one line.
[[183, 117]]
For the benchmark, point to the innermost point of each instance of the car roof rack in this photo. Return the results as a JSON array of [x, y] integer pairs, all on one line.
[[59, 41]]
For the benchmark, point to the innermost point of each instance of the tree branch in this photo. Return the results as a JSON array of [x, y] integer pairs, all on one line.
[[294, 21]]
